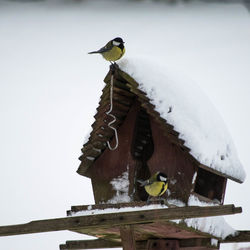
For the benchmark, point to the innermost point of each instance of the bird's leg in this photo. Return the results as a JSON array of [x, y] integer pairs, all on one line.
[[149, 200], [113, 67], [164, 201]]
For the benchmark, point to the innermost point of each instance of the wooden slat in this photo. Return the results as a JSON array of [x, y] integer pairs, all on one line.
[[219, 173], [241, 236], [142, 96], [128, 78], [92, 152], [117, 219], [90, 244], [163, 244], [191, 244], [121, 84], [110, 205], [123, 92], [140, 245]]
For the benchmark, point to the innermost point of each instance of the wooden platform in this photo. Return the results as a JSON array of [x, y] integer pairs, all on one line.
[[142, 227], [152, 228]]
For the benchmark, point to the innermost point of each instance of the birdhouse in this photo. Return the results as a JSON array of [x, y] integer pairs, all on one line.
[[161, 126], [149, 121]]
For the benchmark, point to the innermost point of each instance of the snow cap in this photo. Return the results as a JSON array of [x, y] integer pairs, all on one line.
[[184, 105]]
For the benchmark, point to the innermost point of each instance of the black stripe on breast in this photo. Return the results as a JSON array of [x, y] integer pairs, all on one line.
[[163, 186], [121, 46]]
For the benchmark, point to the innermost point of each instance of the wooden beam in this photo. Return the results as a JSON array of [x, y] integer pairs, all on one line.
[[82, 208], [90, 244], [241, 236], [163, 244], [127, 237], [219, 173], [195, 243], [117, 219]]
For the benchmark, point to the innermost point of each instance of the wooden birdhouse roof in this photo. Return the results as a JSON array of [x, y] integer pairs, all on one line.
[[126, 91]]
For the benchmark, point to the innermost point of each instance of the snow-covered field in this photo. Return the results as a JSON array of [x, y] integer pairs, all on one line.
[[49, 89]]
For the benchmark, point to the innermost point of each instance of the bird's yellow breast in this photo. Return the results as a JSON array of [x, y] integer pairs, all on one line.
[[114, 54], [157, 188]]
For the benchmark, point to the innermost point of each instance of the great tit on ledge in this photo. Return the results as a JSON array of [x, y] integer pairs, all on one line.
[[156, 185], [112, 51]]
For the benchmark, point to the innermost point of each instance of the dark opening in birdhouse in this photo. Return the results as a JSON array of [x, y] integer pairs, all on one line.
[[142, 149], [210, 185]]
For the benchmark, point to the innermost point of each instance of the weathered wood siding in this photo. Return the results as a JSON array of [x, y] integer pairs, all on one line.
[[112, 164], [170, 159]]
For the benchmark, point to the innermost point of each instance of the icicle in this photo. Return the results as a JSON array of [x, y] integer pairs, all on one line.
[[114, 118]]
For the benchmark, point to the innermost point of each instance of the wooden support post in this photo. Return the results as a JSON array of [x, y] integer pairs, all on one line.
[[163, 244], [127, 237]]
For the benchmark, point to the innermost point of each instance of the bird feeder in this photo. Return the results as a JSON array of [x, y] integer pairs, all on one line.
[[147, 143]]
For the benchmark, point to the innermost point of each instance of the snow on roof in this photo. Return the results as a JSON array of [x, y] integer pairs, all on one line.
[[183, 104]]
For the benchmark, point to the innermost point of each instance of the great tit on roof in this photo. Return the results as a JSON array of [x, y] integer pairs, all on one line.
[[156, 185], [112, 51]]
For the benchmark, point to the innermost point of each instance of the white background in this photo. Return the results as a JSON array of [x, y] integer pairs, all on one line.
[[50, 87]]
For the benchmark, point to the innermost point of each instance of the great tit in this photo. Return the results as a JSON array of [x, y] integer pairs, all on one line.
[[112, 51], [156, 185]]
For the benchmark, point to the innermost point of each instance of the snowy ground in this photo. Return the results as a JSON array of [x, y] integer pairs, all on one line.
[[49, 89]]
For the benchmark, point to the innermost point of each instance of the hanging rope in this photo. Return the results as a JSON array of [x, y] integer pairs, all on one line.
[[109, 113]]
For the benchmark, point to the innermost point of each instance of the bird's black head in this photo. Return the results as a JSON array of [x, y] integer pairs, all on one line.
[[118, 40], [162, 177]]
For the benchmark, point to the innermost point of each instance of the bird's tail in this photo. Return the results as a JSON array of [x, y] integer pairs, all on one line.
[[93, 52]]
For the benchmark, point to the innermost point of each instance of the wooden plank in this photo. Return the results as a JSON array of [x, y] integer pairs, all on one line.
[[117, 219], [196, 243], [140, 245], [128, 78], [90, 244], [219, 173], [110, 205], [127, 237], [103, 174], [122, 92], [163, 244], [241, 236], [184, 244]]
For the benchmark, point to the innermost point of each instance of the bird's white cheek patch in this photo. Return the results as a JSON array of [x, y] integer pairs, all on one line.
[[116, 43], [163, 178]]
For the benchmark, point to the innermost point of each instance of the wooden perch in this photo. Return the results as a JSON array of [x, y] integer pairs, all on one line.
[[117, 219]]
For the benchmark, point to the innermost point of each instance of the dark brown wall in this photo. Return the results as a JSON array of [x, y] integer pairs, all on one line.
[[158, 154], [112, 164], [170, 159]]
